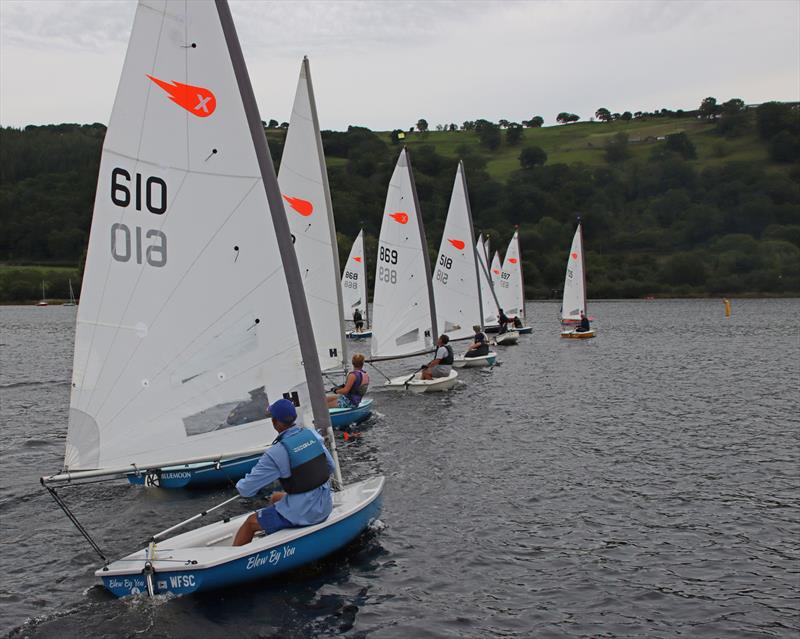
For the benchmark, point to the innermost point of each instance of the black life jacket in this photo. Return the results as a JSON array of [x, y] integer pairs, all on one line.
[[309, 466], [448, 361]]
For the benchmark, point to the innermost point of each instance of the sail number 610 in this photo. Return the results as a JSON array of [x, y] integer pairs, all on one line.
[[138, 244]]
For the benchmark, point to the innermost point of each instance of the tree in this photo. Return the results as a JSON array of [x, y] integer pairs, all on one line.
[[617, 148], [709, 108], [732, 106], [453, 127], [489, 135], [469, 125], [532, 156], [774, 117], [682, 145], [395, 135], [422, 124], [535, 122], [513, 133], [603, 114], [626, 117], [784, 147], [284, 125], [503, 123]]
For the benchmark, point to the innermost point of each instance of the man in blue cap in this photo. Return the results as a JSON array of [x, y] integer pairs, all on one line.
[[299, 460]]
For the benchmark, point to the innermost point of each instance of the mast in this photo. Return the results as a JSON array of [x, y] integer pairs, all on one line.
[[366, 281], [308, 349], [583, 258], [329, 205], [426, 258], [471, 235], [521, 274]]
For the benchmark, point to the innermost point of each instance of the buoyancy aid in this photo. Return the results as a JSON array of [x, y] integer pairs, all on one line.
[[359, 388], [309, 466], [448, 361]]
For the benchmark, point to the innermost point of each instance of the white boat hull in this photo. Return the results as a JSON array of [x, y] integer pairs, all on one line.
[[418, 385], [473, 362], [204, 559], [507, 339]]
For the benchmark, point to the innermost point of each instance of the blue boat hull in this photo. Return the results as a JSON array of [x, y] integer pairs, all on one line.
[[343, 417], [196, 475], [362, 335], [525, 330], [262, 564]]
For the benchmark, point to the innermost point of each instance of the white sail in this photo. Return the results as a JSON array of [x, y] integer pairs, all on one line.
[[496, 269], [509, 287], [455, 282], [187, 326], [403, 320], [304, 185], [487, 296], [574, 300], [354, 280]]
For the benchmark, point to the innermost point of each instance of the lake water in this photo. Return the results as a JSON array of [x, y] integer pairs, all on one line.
[[642, 484]]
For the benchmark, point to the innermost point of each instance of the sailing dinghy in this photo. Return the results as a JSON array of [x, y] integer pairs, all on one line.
[[404, 313], [509, 286], [71, 301], [574, 300], [456, 288], [354, 287], [187, 201], [488, 299], [303, 179]]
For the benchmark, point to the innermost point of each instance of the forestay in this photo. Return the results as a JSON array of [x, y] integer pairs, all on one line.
[[487, 295], [509, 287], [304, 186], [187, 327], [455, 281], [354, 280], [403, 309], [574, 283]]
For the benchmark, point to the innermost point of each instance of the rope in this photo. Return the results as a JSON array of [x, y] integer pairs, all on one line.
[[75, 521], [380, 371]]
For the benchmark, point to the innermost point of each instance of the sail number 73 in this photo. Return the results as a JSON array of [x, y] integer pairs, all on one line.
[[139, 244]]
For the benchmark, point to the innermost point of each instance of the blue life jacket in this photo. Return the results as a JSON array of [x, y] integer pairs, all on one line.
[[358, 390], [309, 466]]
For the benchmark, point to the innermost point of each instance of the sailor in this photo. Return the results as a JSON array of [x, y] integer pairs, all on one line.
[[358, 320], [299, 460], [503, 320], [442, 362], [355, 387], [479, 346], [584, 326]]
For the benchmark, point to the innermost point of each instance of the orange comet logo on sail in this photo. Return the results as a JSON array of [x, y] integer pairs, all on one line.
[[513, 260], [574, 256], [496, 271], [357, 259], [400, 217], [303, 207], [198, 101], [457, 243]]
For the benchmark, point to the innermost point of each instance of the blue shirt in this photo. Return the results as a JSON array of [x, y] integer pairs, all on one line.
[[302, 509]]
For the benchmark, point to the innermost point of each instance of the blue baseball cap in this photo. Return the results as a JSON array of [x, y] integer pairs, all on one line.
[[283, 410]]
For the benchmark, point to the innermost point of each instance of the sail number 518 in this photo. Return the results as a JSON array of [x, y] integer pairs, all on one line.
[[138, 243]]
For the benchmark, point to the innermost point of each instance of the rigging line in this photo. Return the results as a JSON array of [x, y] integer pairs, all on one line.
[[74, 520], [388, 379], [166, 300]]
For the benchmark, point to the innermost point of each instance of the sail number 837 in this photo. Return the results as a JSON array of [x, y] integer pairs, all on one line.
[[140, 244]]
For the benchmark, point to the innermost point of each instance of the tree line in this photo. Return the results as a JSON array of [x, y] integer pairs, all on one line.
[[658, 225]]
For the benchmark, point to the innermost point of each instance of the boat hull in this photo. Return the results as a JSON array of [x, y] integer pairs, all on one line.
[[200, 475], [418, 385], [343, 417], [576, 335], [203, 559], [475, 362], [354, 335], [525, 330], [507, 339]]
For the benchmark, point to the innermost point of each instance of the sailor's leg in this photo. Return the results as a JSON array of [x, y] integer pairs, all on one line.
[[248, 529]]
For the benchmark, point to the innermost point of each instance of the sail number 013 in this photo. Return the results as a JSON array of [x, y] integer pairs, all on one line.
[[140, 244]]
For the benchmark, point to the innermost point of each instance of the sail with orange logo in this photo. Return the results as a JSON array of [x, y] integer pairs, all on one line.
[[509, 287], [303, 179], [354, 281], [455, 274], [574, 301], [403, 321]]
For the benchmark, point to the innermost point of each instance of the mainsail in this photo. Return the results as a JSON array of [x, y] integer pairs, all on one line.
[[574, 301], [404, 316], [488, 300], [509, 287], [192, 315], [354, 280], [496, 269], [304, 185], [455, 280]]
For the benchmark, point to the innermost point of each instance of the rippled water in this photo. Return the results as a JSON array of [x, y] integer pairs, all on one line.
[[644, 483]]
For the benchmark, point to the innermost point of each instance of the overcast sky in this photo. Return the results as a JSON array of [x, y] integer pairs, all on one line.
[[385, 64]]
